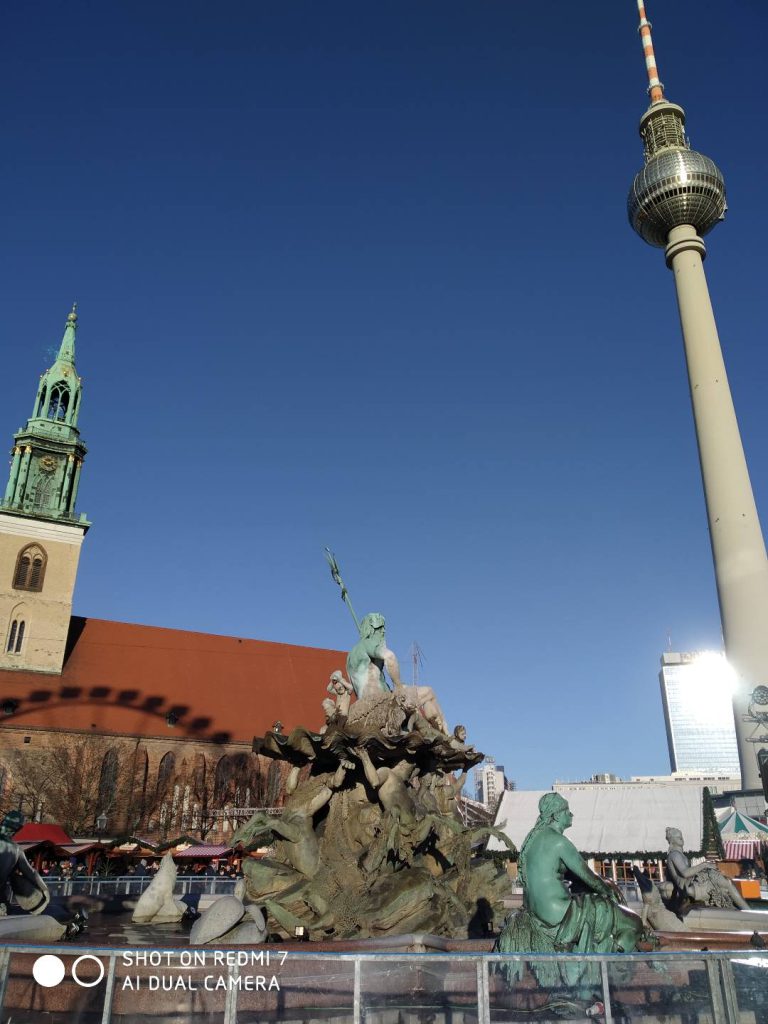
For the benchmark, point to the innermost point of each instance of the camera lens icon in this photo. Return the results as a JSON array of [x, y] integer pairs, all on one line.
[[49, 970]]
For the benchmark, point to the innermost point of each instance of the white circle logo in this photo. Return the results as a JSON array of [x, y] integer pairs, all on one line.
[[48, 970], [80, 959]]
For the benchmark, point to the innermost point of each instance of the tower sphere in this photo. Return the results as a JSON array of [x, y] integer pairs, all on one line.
[[677, 186]]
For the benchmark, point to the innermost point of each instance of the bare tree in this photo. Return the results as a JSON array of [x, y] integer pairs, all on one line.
[[205, 808], [28, 775], [70, 782]]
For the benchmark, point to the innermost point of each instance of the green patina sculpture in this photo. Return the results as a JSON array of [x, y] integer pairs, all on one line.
[[370, 842], [698, 883], [18, 879], [370, 656], [554, 918]]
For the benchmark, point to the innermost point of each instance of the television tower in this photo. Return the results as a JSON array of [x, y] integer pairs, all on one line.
[[677, 197]]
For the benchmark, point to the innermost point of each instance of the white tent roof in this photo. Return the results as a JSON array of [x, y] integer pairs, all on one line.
[[610, 819]]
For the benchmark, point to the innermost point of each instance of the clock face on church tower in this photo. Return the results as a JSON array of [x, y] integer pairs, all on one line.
[[48, 463]]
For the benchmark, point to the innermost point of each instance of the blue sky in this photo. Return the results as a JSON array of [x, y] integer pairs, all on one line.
[[361, 275]]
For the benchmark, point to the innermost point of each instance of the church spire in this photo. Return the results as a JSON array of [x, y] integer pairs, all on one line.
[[67, 347], [48, 452]]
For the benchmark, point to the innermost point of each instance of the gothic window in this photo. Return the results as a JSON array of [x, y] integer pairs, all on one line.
[[59, 402], [108, 781], [198, 779], [274, 784], [41, 404], [185, 808], [233, 776], [30, 568], [16, 636], [165, 774], [140, 784]]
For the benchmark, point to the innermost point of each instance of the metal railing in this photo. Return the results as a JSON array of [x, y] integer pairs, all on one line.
[[208, 986], [134, 885]]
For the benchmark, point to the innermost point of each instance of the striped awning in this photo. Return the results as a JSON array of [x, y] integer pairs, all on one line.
[[736, 825], [200, 852], [742, 849]]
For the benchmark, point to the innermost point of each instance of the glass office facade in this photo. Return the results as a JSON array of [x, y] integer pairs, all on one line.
[[696, 692]]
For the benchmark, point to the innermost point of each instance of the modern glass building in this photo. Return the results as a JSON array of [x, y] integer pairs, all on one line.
[[697, 695]]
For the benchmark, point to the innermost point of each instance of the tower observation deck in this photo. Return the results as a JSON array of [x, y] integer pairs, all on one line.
[[677, 197]]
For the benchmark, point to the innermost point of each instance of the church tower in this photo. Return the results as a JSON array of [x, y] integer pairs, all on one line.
[[40, 533]]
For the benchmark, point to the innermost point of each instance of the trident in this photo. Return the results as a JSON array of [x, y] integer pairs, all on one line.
[[336, 576]]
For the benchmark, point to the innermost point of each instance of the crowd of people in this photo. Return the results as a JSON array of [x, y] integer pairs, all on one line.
[[71, 867]]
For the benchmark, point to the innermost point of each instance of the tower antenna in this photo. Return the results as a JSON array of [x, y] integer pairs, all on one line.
[[655, 86]]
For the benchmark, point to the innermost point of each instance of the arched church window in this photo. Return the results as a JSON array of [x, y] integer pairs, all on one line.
[[41, 403], [274, 784], [140, 785], [59, 402], [233, 776], [108, 781], [16, 636], [185, 807], [165, 774], [198, 778], [20, 577], [30, 568]]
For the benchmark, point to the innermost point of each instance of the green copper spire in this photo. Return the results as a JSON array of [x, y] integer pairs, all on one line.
[[48, 453], [67, 347]]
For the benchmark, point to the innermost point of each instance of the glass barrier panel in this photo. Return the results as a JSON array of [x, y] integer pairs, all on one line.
[[163, 986], [674, 991], [405, 991], [544, 989], [298, 990], [749, 975], [42, 989]]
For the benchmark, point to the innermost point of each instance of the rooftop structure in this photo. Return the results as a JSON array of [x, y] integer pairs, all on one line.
[[144, 680], [611, 819]]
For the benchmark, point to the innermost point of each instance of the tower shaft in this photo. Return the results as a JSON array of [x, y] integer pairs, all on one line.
[[738, 548], [675, 198]]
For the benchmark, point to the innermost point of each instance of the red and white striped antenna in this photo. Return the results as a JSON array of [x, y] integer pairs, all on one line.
[[655, 87]]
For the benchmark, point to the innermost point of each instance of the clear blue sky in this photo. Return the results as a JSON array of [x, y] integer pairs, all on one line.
[[360, 274]]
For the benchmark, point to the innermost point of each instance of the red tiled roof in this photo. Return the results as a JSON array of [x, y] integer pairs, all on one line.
[[125, 678], [34, 833]]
